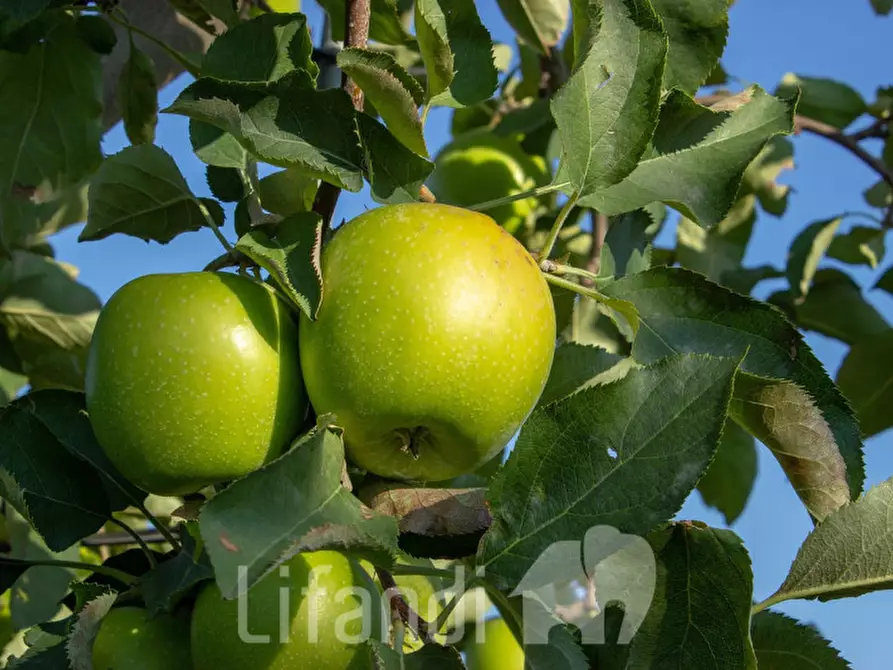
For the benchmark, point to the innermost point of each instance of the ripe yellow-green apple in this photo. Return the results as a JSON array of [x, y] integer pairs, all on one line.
[[498, 650], [331, 609], [433, 341], [478, 167], [193, 379], [129, 640]]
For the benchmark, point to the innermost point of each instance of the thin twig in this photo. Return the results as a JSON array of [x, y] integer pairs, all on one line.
[[137, 539], [119, 539], [879, 129], [399, 605], [829, 132]]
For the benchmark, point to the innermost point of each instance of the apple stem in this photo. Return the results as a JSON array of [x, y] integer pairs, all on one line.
[[556, 227], [560, 270]]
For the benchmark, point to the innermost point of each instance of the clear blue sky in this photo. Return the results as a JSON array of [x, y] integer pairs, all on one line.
[[768, 38]]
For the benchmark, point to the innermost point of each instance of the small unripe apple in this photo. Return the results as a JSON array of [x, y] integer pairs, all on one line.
[[433, 341], [193, 379], [317, 616], [479, 167], [129, 640], [498, 649]]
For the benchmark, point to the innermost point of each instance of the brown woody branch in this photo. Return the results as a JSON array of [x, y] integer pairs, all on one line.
[[599, 231], [356, 34], [804, 123]]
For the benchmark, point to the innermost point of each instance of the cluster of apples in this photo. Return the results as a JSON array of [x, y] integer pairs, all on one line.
[[432, 344]]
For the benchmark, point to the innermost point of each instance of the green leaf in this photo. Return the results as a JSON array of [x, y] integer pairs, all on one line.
[[806, 251], [292, 259], [36, 593], [697, 32], [575, 367], [138, 97], [727, 484], [256, 520], [761, 175], [201, 12], [625, 448], [294, 126], [262, 50], [866, 379], [683, 312], [49, 319], [11, 384], [64, 414], [391, 90], [433, 657], [165, 585], [395, 173], [457, 52], [384, 23], [784, 417], [540, 23], [97, 32], [79, 644], [885, 283], [743, 280], [49, 658], [51, 135], [882, 7], [225, 183], [215, 146], [141, 192], [607, 110], [822, 99], [699, 156], [846, 555], [700, 614], [860, 246], [60, 495], [626, 249], [834, 307], [287, 192], [783, 643], [880, 195], [720, 249], [21, 11]]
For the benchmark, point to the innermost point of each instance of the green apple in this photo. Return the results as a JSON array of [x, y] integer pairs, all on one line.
[[287, 6], [494, 648], [433, 341], [129, 640], [193, 379], [478, 167], [331, 609]]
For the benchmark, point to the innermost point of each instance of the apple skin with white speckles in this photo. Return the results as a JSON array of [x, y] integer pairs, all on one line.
[[333, 608], [193, 379], [433, 341]]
